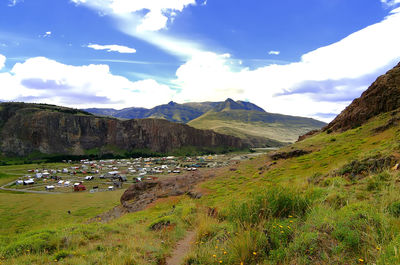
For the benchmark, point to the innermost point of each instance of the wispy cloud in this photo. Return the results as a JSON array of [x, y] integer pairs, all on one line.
[[2, 61], [132, 62], [390, 2], [112, 48], [12, 3], [47, 34], [155, 16], [274, 52]]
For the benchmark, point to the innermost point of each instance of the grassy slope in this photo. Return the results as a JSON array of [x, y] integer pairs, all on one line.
[[247, 124], [292, 212]]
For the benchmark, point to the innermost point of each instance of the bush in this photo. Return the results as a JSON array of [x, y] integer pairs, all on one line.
[[34, 242], [337, 200], [273, 203], [62, 255], [248, 246], [161, 223]]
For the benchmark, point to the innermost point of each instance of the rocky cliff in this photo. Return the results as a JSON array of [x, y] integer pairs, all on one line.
[[27, 128], [382, 96]]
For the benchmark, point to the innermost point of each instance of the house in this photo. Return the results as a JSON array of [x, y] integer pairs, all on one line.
[[79, 187], [67, 183], [122, 178], [89, 178], [29, 182], [19, 182], [60, 182], [38, 175], [51, 187], [110, 187]]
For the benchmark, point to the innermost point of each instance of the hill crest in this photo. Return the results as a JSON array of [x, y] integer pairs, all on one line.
[[382, 96]]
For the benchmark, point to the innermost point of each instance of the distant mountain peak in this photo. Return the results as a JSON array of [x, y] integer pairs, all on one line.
[[171, 103], [230, 104]]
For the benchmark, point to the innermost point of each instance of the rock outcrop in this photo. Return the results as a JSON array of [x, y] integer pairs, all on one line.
[[141, 194], [27, 128], [382, 96]]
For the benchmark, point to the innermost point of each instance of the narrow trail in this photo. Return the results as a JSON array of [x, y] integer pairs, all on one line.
[[181, 249]]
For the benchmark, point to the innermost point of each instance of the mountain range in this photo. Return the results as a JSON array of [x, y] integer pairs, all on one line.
[[245, 120]]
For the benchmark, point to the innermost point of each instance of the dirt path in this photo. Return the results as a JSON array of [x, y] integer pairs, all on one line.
[[181, 249]]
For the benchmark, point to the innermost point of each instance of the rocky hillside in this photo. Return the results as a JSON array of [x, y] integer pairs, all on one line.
[[382, 96], [28, 128]]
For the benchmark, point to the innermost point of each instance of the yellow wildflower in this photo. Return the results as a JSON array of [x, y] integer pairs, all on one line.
[[360, 260]]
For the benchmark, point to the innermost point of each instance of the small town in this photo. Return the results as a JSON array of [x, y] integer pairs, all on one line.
[[107, 175]]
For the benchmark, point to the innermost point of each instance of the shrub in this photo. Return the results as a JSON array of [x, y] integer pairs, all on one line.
[[372, 184], [34, 242], [62, 255], [276, 203], [161, 223], [248, 246], [337, 200]]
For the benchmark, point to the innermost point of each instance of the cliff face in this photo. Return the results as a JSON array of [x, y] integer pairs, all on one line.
[[382, 96], [25, 128]]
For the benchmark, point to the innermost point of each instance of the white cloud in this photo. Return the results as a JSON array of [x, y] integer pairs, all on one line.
[[43, 80], [12, 3], [156, 18], [2, 61], [46, 34], [390, 2], [112, 48], [274, 52], [153, 21]]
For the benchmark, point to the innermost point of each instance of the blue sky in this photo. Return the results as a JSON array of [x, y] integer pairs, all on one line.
[[308, 58]]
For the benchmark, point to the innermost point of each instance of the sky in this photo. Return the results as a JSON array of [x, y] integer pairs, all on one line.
[[304, 58]]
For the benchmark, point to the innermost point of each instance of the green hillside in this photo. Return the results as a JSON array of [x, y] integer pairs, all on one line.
[[256, 124]]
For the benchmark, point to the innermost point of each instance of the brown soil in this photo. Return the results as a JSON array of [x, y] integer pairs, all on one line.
[[181, 249]]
